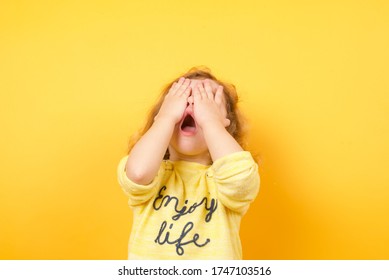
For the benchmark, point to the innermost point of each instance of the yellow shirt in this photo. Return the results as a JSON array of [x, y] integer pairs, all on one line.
[[190, 210]]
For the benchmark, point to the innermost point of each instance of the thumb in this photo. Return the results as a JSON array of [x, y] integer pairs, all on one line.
[[219, 96]]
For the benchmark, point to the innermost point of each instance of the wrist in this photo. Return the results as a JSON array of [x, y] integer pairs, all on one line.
[[212, 124], [166, 120]]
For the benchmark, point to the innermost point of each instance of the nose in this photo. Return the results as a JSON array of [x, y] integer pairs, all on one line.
[[190, 100]]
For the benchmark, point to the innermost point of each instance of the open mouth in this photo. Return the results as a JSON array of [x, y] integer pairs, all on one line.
[[188, 124]]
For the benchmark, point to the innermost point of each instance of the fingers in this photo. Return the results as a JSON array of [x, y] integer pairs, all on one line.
[[202, 92], [221, 102], [180, 87], [176, 85], [180, 82], [172, 89], [219, 95], [193, 83], [196, 94], [184, 88], [208, 89], [186, 92]]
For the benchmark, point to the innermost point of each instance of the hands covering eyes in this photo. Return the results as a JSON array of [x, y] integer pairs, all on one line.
[[209, 106], [207, 97]]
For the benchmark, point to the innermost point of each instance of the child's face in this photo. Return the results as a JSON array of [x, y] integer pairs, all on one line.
[[188, 139]]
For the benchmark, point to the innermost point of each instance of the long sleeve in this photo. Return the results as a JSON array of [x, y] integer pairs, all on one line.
[[190, 210], [237, 180], [138, 194]]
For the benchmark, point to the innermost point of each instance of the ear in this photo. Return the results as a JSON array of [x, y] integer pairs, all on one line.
[[227, 122]]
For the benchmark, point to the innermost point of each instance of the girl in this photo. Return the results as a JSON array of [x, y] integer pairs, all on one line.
[[188, 179]]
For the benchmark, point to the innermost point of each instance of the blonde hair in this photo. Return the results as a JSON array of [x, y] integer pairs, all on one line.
[[236, 127]]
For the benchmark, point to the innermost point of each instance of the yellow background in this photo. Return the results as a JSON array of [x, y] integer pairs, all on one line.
[[78, 77]]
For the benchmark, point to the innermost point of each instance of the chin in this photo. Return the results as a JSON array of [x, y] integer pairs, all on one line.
[[188, 148], [191, 151]]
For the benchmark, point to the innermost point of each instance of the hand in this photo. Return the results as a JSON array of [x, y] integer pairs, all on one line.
[[175, 102], [209, 108]]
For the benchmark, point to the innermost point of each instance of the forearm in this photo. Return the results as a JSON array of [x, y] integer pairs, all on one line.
[[147, 154], [220, 143]]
